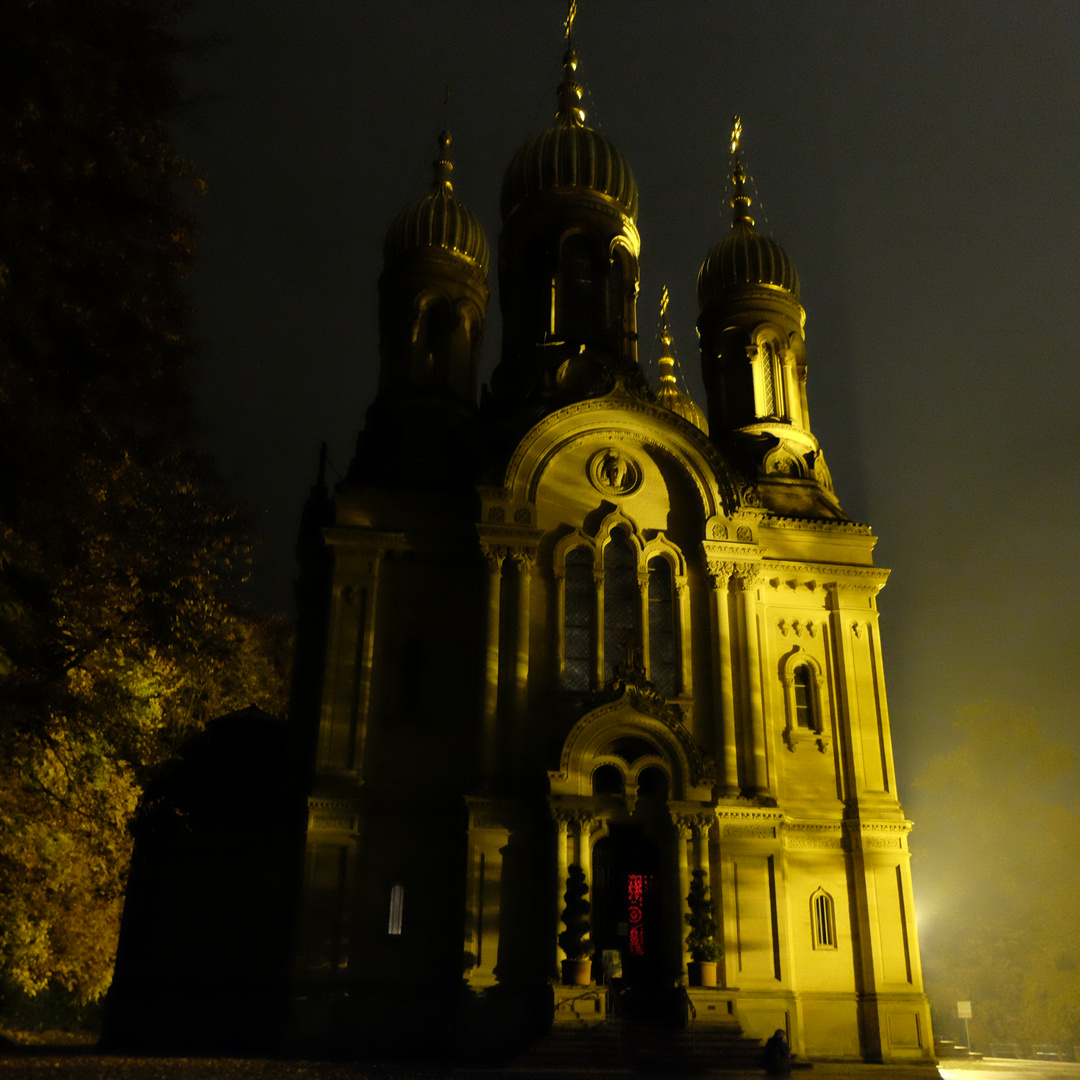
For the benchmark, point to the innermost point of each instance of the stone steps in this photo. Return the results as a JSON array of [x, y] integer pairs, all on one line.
[[641, 1047]]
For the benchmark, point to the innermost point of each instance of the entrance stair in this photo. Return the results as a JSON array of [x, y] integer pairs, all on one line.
[[633, 1044]]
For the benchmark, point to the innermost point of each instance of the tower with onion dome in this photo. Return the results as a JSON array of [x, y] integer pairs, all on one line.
[[753, 360], [432, 305]]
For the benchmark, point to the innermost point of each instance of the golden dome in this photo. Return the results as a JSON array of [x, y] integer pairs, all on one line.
[[439, 221], [570, 156], [668, 393], [745, 256]]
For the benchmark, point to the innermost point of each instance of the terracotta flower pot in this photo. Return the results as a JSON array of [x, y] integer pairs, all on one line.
[[576, 972], [703, 972]]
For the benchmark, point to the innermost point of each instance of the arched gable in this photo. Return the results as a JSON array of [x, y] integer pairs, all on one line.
[[590, 741], [626, 419]]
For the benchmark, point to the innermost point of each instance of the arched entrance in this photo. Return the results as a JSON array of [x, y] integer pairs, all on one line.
[[635, 886]]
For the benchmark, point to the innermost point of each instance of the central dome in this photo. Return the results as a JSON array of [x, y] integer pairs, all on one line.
[[570, 156]]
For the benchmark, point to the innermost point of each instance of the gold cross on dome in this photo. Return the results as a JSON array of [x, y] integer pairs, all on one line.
[[571, 13], [736, 135], [664, 298]]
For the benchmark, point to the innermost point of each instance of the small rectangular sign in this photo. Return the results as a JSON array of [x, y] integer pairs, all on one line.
[[963, 1010]]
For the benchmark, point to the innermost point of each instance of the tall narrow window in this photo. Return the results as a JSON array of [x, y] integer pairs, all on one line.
[[580, 607], [824, 920], [805, 717], [621, 602], [662, 651], [578, 290], [397, 905], [768, 386]]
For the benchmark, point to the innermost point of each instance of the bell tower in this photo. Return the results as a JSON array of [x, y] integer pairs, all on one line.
[[432, 305], [568, 261], [753, 357]]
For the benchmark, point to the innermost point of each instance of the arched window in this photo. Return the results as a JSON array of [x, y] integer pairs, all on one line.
[[608, 780], [823, 919], [768, 390], [806, 701], [621, 602], [653, 783], [397, 907], [579, 289], [440, 322], [805, 706], [580, 606], [662, 651]]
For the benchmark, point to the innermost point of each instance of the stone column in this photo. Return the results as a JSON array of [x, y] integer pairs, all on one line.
[[682, 637], [366, 655], [643, 622], [702, 824], [489, 730], [682, 834], [746, 580], [598, 629], [584, 823], [727, 758], [523, 563]]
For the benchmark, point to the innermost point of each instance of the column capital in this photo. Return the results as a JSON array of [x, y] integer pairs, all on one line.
[[493, 554], [719, 573], [746, 576], [524, 558]]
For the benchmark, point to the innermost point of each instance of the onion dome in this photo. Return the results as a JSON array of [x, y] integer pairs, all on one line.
[[668, 393], [745, 256], [570, 156], [439, 221]]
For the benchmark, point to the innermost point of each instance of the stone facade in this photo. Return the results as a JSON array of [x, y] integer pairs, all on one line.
[[568, 626]]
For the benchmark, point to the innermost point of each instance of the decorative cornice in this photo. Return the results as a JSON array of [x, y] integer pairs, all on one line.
[[817, 525]]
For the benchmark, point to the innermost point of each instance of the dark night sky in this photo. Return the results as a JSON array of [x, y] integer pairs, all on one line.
[[918, 160]]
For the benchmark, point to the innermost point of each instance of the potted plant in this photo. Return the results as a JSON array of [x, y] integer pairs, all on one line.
[[705, 950], [577, 967]]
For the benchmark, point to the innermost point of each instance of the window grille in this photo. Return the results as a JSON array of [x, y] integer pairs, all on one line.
[[824, 921], [662, 651], [804, 699], [580, 605], [621, 602]]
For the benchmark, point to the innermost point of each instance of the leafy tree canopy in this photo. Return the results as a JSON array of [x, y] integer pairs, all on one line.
[[121, 626]]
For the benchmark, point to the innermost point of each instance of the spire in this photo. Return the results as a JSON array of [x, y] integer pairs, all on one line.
[[570, 113], [441, 183], [667, 391], [740, 201], [667, 358]]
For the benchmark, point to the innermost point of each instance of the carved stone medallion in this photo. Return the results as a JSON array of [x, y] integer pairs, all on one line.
[[614, 472]]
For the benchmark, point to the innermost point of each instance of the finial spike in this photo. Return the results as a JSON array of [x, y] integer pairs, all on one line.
[[570, 112], [740, 201], [667, 359], [443, 166]]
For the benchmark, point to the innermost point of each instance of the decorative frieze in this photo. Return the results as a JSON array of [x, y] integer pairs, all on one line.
[[813, 837]]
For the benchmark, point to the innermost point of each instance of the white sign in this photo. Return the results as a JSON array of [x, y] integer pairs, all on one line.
[[963, 1010]]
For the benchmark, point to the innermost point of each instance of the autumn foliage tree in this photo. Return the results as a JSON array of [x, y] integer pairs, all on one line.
[[121, 624]]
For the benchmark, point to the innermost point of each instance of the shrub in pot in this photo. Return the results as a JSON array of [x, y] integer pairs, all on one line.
[[577, 967], [705, 950]]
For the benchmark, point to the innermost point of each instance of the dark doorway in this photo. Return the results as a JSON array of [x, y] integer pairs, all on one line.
[[628, 914]]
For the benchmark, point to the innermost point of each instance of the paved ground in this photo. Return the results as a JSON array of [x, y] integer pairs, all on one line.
[[82, 1065]]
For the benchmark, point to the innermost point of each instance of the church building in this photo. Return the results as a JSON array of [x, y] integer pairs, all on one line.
[[576, 651]]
